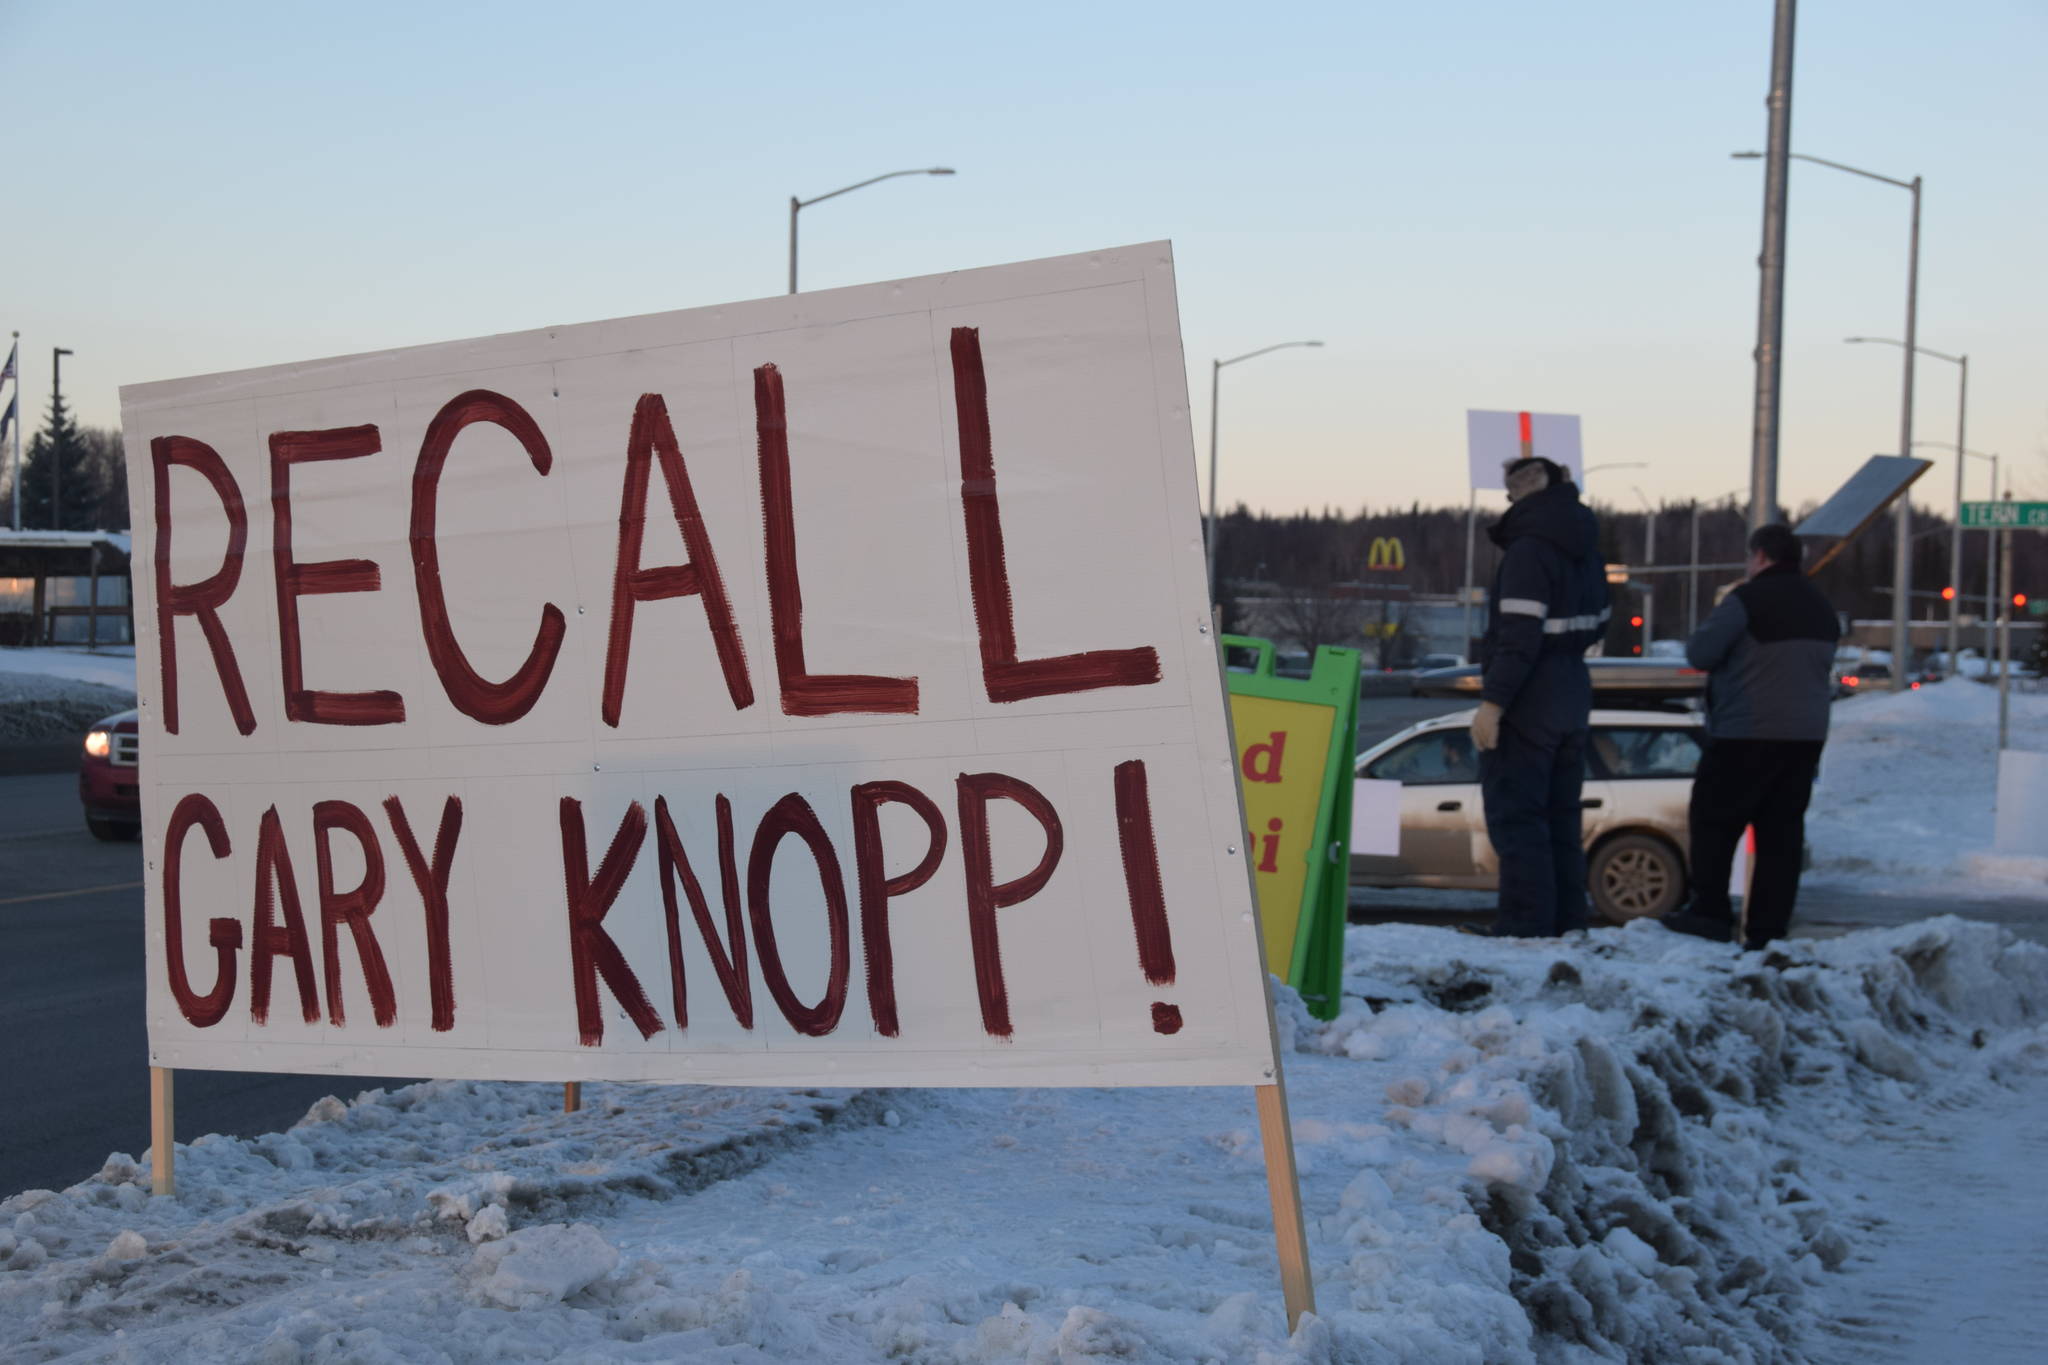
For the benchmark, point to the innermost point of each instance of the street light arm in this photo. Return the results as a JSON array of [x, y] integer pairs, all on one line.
[[1834, 165], [1923, 350], [1263, 350], [873, 180]]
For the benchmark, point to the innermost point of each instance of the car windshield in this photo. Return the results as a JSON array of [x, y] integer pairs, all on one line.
[[1435, 759]]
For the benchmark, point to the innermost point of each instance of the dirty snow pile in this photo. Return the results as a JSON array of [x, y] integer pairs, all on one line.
[[1907, 790], [52, 694], [1613, 1147]]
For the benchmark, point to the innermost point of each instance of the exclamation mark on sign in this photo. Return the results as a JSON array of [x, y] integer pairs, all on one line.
[[1141, 882]]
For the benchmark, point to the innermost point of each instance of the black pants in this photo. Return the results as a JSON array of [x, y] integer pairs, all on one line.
[[1531, 784], [1764, 783]]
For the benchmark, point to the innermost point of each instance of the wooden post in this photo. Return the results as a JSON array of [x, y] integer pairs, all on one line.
[[1276, 1135], [163, 1175], [572, 1096]]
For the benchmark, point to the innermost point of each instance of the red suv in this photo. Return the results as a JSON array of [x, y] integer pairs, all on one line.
[[107, 778]]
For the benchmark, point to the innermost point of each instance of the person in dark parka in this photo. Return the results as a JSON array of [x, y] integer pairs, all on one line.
[[1768, 650], [1547, 607]]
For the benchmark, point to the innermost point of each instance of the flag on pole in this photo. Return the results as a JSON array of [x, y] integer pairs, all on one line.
[[7, 417], [8, 373]]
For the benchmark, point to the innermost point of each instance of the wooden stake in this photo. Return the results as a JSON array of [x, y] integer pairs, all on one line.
[[1276, 1135], [163, 1175], [572, 1096]]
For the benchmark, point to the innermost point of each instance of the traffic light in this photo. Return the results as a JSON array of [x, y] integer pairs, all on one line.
[[1948, 594], [1636, 623], [2019, 599]]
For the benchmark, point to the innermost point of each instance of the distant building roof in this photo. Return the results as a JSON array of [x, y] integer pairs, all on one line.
[[25, 554]]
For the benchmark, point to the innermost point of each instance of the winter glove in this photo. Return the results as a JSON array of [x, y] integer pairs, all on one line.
[[1486, 726]]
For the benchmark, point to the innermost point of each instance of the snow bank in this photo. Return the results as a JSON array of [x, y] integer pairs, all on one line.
[[1908, 788], [1509, 1152], [112, 666]]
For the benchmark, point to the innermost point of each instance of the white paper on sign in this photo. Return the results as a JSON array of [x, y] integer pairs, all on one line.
[[1495, 439], [1376, 818], [729, 695]]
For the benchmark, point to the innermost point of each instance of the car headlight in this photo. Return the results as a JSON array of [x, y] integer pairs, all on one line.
[[98, 743]]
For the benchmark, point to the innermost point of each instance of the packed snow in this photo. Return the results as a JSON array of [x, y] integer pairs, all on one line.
[[110, 666], [54, 694], [1625, 1145], [1906, 797]]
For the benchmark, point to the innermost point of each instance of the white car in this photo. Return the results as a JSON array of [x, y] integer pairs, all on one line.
[[1639, 770]]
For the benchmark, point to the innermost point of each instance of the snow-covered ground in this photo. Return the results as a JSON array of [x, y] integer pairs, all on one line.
[[109, 666], [1629, 1146], [1907, 791], [54, 694]]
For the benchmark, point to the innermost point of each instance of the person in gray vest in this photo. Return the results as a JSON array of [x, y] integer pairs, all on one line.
[[1768, 650]]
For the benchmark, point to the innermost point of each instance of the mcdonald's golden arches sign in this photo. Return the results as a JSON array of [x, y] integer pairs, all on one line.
[[1386, 555]]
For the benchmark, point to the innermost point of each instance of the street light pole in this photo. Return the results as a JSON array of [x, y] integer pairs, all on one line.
[[1649, 562], [1902, 525], [57, 354], [796, 205], [1955, 540], [1215, 394], [1770, 310]]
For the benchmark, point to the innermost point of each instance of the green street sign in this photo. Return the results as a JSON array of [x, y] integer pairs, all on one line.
[[2005, 516]]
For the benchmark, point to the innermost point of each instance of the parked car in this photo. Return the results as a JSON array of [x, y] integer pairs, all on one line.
[[1639, 770], [107, 778], [1651, 683]]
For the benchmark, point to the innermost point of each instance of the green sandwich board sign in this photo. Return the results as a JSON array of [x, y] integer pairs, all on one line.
[[1297, 742], [2005, 516]]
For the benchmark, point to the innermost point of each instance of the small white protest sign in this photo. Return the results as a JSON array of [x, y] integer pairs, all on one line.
[[1376, 817], [816, 690], [1496, 439]]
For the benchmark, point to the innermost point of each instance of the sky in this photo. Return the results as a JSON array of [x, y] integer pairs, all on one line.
[[1480, 205]]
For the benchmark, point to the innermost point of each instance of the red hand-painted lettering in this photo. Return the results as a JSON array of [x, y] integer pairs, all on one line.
[[653, 436], [205, 598], [1004, 676], [295, 580], [473, 695], [224, 935]]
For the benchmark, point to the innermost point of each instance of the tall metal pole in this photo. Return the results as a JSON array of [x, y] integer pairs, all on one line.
[[1991, 570], [794, 204], [1650, 562], [19, 417], [1215, 388], [1770, 313], [2004, 634], [1902, 527], [1955, 537], [57, 354], [1215, 392], [1471, 524], [1692, 578]]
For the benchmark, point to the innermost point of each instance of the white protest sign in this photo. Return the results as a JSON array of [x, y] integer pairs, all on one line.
[[816, 690], [1376, 817], [1494, 440]]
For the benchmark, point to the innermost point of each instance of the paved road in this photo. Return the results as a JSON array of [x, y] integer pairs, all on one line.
[[72, 1042]]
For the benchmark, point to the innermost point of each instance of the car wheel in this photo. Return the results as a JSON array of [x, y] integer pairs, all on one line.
[[112, 831], [1635, 876]]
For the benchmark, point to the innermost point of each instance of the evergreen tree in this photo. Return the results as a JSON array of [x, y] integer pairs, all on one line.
[[60, 445]]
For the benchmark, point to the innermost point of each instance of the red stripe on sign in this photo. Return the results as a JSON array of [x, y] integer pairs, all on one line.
[[1528, 440]]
